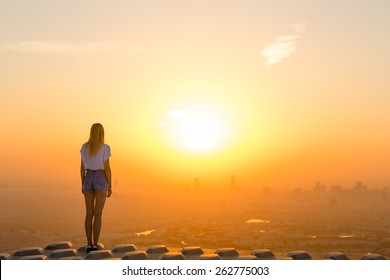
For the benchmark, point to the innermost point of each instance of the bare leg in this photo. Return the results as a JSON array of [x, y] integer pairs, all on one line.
[[97, 223], [89, 206]]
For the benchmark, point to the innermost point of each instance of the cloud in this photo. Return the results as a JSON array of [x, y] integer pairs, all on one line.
[[284, 45], [58, 47]]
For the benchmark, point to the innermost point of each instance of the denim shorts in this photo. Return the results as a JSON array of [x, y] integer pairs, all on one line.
[[95, 180]]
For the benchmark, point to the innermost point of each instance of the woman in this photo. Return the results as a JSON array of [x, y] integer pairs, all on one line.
[[96, 182]]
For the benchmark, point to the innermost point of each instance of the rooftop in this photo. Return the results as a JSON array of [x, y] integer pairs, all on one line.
[[66, 250]]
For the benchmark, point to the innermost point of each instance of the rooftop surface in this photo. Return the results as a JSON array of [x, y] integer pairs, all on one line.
[[66, 250]]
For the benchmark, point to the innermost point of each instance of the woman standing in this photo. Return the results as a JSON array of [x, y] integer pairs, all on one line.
[[96, 182]]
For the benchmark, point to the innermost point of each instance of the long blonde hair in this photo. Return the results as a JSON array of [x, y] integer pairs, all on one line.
[[96, 139]]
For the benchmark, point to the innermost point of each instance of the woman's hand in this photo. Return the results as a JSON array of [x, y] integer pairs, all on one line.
[[109, 192]]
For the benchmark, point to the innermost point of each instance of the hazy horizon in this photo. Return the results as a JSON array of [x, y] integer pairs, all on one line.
[[318, 220]]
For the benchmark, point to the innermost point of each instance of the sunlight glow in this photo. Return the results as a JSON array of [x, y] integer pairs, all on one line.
[[196, 129]]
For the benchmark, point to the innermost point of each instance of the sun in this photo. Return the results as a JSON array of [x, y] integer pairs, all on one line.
[[196, 129]]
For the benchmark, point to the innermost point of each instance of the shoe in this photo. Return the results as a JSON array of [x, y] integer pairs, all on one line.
[[95, 248], [89, 248]]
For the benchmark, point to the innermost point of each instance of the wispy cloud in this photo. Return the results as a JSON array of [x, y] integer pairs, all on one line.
[[284, 45], [59, 47]]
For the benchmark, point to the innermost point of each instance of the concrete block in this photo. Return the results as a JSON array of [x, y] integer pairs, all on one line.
[[299, 255], [247, 257], [158, 249], [124, 248], [62, 253], [210, 257], [135, 255], [4, 256], [59, 245], [227, 252], [98, 255], [192, 250], [34, 257], [335, 256], [172, 256], [72, 258], [264, 254], [373, 257], [28, 252]]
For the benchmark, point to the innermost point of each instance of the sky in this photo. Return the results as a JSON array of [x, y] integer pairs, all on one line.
[[278, 93]]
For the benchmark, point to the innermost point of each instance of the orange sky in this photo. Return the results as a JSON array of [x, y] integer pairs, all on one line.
[[279, 94]]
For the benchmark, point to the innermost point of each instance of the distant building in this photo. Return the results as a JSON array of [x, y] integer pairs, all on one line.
[[335, 188], [360, 187], [318, 188]]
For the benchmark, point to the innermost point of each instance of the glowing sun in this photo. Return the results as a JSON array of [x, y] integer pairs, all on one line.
[[196, 129]]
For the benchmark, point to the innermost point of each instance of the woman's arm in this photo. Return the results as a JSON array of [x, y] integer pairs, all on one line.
[[107, 171], [82, 174]]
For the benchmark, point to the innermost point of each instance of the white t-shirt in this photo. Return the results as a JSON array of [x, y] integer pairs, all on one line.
[[97, 161]]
